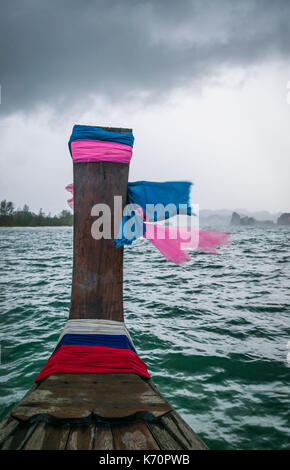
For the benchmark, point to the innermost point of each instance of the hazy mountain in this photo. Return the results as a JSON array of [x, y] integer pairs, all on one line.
[[223, 216]]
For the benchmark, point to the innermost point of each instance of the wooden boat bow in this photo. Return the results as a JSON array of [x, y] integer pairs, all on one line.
[[96, 411]]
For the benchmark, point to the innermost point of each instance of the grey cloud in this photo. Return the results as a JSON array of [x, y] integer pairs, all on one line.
[[61, 51]]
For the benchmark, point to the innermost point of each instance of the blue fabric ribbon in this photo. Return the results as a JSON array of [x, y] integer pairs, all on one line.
[[173, 196], [130, 230], [174, 193]]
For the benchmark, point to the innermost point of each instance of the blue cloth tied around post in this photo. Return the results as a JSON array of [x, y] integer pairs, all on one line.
[[96, 133], [158, 201], [110, 341]]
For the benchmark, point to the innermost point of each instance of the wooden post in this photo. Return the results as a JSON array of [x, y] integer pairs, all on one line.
[[97, 281]]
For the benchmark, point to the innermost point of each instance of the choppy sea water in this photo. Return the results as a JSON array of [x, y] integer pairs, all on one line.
[[213, 333]]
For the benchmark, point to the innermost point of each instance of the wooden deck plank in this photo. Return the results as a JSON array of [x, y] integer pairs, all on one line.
[[175, 425], [76, 396], [48, 437], [81, 437], [7, 444], [20, 436], [133, 437], [7, 427], [56, 437], [35, 442], [163, 438], [103, 438]]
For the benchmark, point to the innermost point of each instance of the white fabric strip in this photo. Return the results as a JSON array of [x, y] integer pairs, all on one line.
[[94, 327], [93, 321]]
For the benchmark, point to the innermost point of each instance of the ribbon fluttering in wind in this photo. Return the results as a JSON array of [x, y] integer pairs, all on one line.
[[147, 202], [173, 195], [151, 202], [174, 243], [70, 189]]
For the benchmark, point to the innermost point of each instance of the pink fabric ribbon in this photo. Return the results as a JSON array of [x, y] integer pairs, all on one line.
[[174, 243], [70, 189], [99, 151]]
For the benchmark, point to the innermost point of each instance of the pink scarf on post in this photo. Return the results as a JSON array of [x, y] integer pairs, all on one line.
[[174, 243], [98, 151]]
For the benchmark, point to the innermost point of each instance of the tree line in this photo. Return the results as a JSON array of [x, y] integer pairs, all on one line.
[[11, 217]]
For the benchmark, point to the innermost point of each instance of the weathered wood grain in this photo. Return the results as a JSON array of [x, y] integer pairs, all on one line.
[[133, 437], [56, 437], [7, 427], [77, 396], [178, 428], [81, 437], [103, 438], [20, 436], [163, 438], [7, 444], [35, 442], [48, 437]]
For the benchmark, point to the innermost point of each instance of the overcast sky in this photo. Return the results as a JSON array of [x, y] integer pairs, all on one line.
[[202, 83]]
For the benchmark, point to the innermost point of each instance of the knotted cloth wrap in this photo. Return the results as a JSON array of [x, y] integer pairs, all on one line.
[[94, 346], [96, 133]]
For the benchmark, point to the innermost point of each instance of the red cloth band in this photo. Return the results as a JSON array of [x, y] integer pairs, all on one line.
[[93, 359]]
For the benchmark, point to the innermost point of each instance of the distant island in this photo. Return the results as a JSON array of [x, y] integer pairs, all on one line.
[[11, 217], [224, 217], [244, 220], [284, 219]]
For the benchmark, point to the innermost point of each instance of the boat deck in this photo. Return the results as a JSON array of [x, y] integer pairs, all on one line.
[[96, 412]]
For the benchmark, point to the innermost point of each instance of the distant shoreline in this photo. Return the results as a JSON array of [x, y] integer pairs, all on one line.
[[9, 217]]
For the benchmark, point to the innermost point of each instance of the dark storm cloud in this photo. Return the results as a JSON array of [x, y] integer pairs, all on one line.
[[60, 51]]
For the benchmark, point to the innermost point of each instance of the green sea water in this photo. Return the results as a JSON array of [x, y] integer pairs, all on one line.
[[214, 333]]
